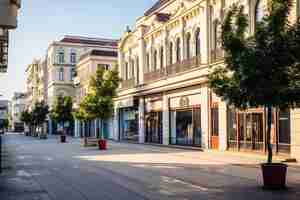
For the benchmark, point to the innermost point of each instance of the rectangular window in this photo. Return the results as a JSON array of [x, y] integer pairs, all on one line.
[[61, 74], [73, 58], [61, 57]]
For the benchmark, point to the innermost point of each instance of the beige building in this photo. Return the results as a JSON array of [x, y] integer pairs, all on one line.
[[32, 83], [105, 58], [18, 105], [164, 98], [62, 57]]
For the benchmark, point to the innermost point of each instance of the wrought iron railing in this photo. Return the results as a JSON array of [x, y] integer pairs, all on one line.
[[154, 75], [172, 69]]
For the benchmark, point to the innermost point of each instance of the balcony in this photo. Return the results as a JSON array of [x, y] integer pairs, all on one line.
[[128, 83], [173, 69], [155, 75], [217, 55]]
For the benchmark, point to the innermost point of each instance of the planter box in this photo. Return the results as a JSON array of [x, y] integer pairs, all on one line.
[[274, 175]]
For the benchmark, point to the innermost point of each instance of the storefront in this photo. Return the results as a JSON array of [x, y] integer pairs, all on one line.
[[247, 130], [129, 120], [185, 120], [153, 119]]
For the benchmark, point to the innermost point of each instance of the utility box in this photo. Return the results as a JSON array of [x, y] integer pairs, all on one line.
[[9, 13]]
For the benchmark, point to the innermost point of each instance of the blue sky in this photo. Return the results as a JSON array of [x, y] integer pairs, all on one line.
[[42, 21]]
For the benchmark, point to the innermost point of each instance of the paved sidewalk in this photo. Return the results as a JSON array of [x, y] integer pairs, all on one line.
[[46, 169]]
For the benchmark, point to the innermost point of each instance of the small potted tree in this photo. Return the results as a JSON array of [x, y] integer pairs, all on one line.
[[26, 118], [39, 113], [98, 104], [62, 113], [261, 70], [81, 115]]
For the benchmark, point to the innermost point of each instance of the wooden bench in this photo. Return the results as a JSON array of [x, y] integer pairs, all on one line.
[[89, 142]]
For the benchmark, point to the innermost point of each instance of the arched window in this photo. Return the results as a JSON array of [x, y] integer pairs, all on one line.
[[161, 57], [126, 71], [259, 11], [178, 50], [171, 53], [147, 62], [197, 40], [188, 46], [155, 60]]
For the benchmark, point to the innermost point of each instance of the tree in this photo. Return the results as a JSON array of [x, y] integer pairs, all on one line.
[[62, 110], [39, 113], [98, 104], [27, 118], [262, 70]]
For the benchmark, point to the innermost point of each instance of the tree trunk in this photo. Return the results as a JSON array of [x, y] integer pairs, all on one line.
[[269, 125]]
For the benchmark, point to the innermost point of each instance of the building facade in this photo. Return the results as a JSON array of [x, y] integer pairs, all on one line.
[[164, 98], [18, 105], [32, 84], [105, 58], [4, 114], [62, 57]]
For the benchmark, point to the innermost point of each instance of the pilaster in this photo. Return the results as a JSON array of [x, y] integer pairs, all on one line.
[[204, 116], [222, 126], [141, 120], [166, 120], [295, 133]]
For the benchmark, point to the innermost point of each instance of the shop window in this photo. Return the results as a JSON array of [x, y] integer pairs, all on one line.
[[215, 121], [186, 127], [129, 124], [232, 131], [284, 127]]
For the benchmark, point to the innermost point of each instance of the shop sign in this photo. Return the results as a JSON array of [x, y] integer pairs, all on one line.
[[125, 103], [185, 101]]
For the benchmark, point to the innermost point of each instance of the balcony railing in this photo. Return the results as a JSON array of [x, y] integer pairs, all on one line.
[[217, 55], [128, 83], [184, 65], [172, 69], [155, 75]]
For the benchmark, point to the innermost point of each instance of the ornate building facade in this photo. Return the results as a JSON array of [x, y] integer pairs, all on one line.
[[164, 98], [105, 58]]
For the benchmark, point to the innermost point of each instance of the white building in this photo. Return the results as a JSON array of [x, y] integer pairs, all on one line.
[[164, 98], [62, 57], [18, 105]]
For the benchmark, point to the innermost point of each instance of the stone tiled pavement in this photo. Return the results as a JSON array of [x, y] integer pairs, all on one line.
[[45, 169]]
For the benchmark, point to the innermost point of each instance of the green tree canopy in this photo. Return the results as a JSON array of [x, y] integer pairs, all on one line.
[[62, 109], [40, 112], [26, 117], [262, 70]]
